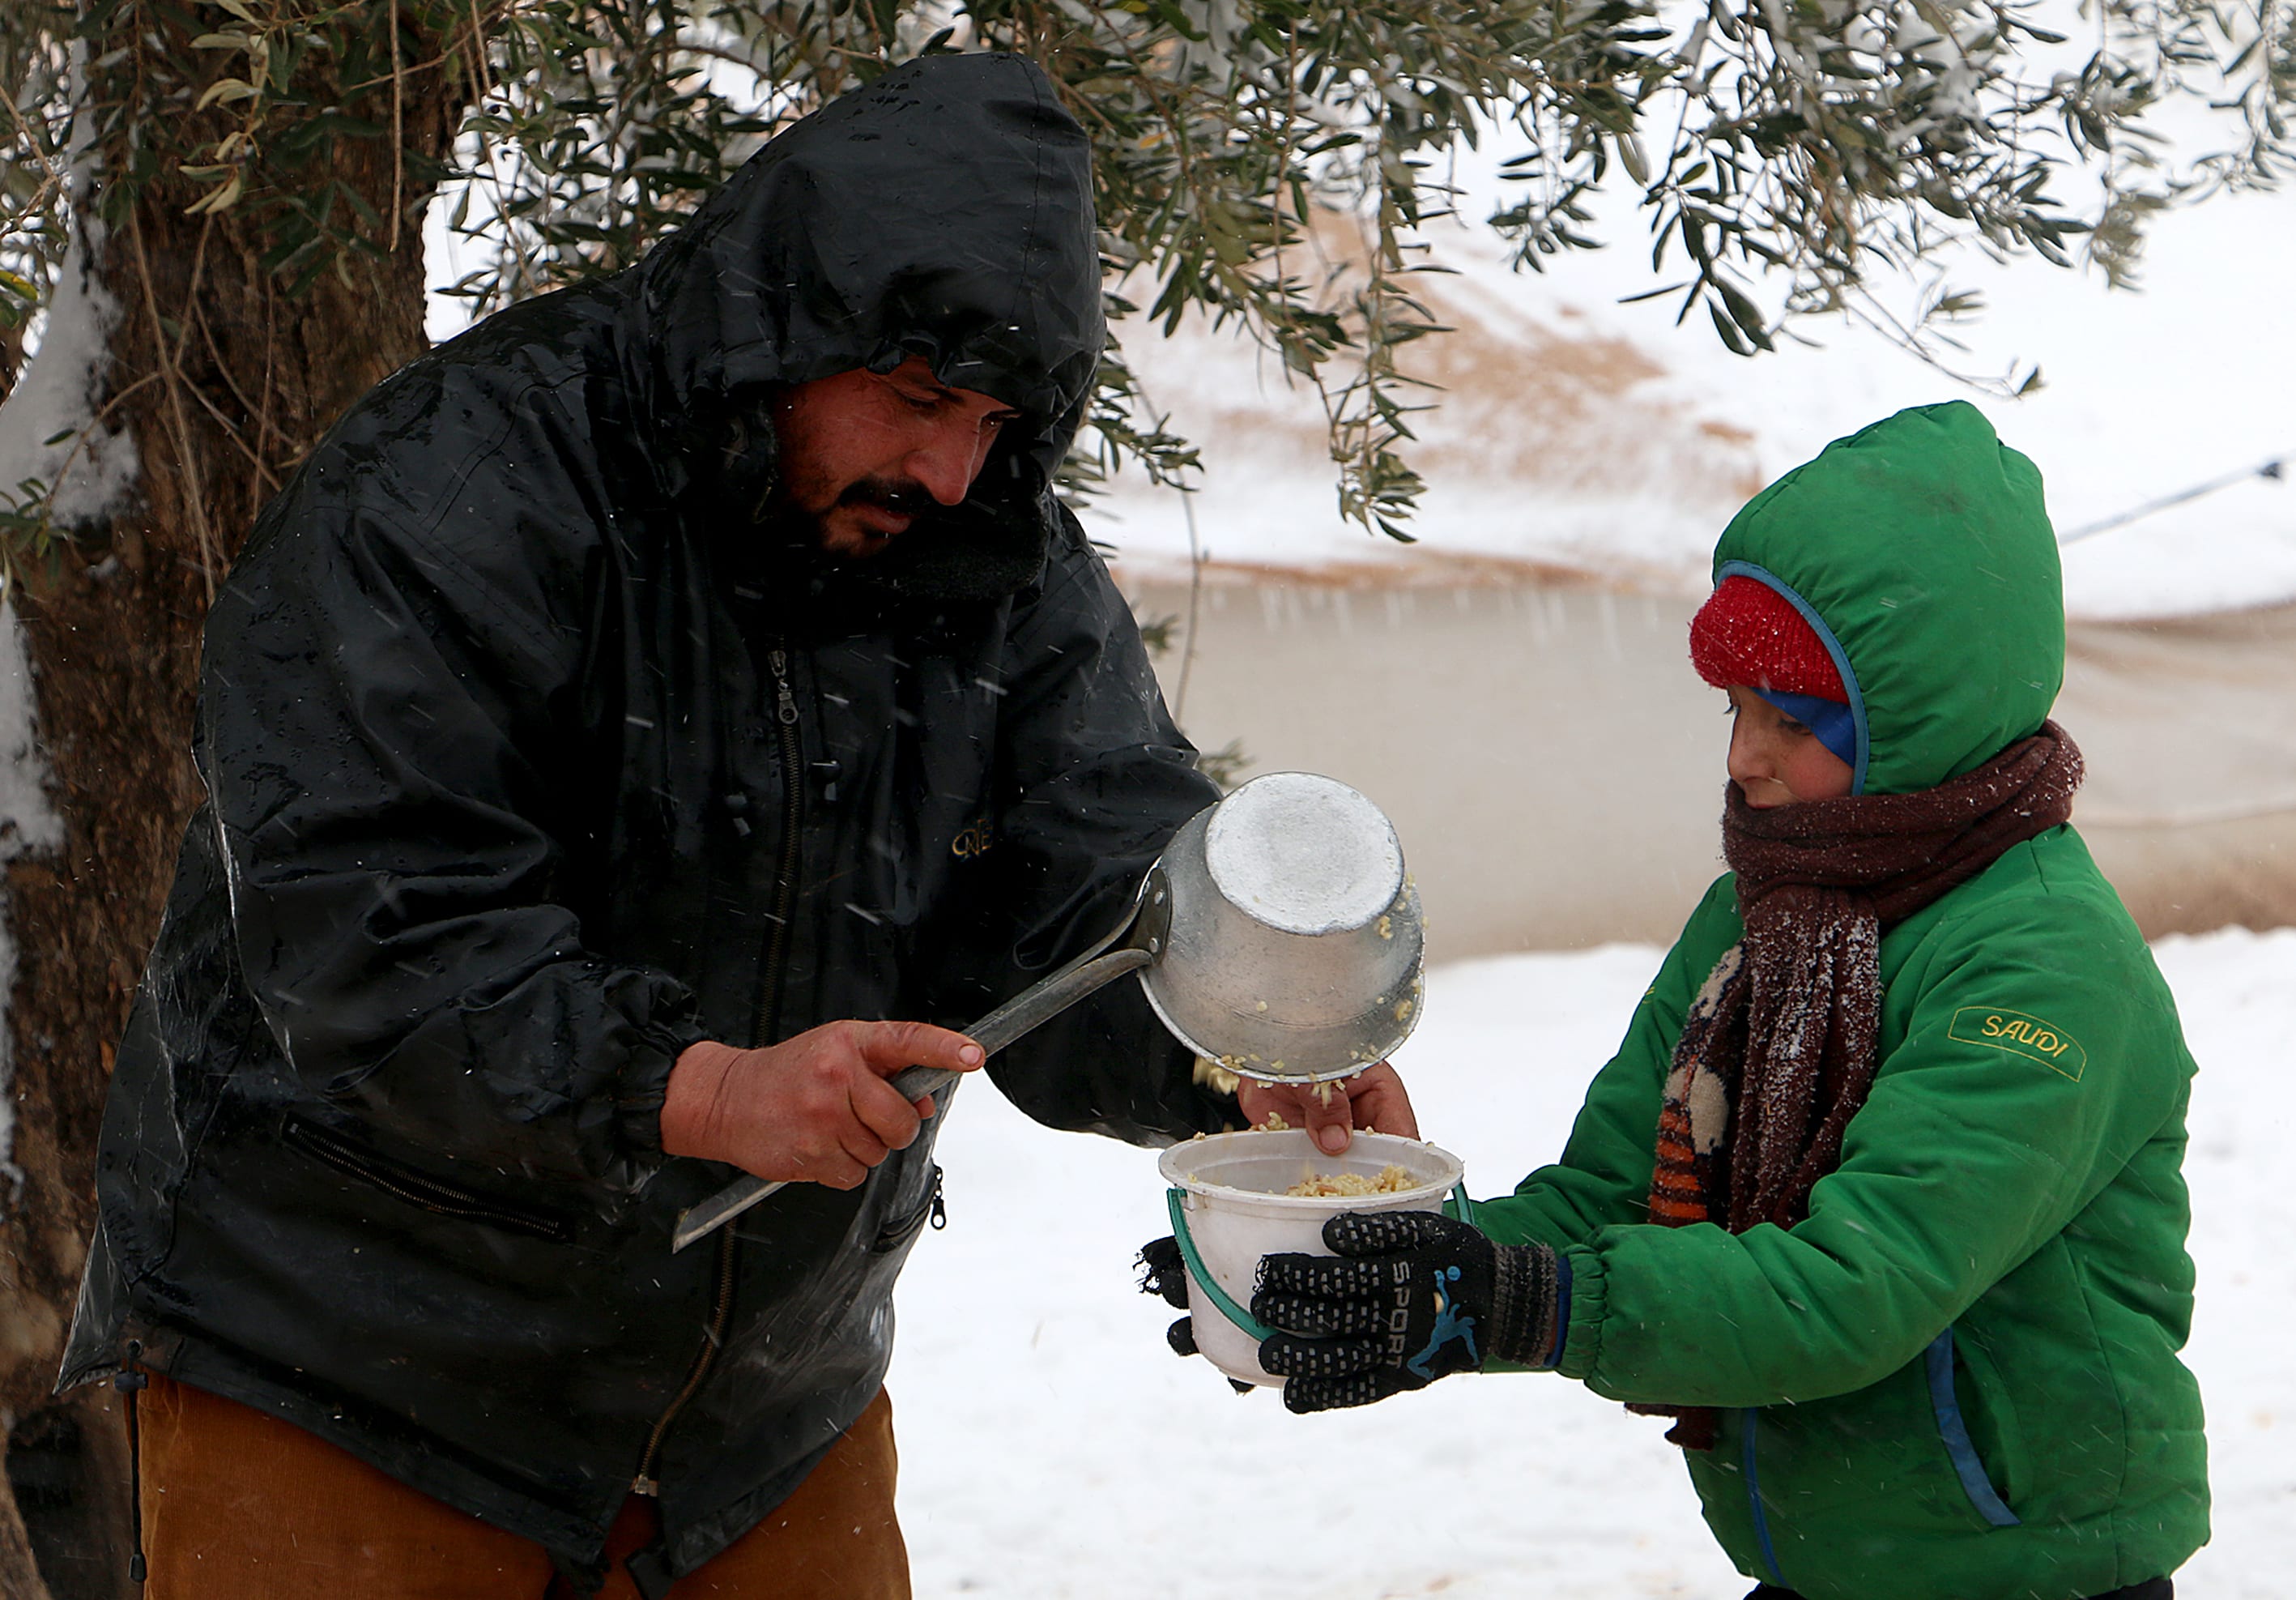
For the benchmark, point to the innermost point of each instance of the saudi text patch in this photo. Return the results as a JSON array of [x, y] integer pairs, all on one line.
[[2020, 1034]]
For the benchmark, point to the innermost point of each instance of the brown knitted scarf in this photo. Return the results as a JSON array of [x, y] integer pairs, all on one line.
[[1777, 1051]]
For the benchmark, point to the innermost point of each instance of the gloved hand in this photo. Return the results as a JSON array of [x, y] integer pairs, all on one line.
[[1162, 1272], [1411, 1297]]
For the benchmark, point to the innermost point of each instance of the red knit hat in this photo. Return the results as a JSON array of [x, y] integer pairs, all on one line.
[[1747, 633]]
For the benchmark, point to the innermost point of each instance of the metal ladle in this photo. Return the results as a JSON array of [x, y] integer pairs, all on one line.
[[1278, 935]]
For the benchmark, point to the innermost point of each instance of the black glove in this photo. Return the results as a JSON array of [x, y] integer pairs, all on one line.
[[1413, 1297], [1162, 1272]]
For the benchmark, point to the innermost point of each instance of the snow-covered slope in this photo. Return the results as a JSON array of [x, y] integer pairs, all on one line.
[[1578, 430], [1052, 1449]]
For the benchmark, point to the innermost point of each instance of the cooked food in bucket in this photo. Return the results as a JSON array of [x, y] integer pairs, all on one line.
[[1392, 1180]]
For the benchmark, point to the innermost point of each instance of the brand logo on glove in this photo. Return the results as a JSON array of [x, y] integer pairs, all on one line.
[[1450, 1324]]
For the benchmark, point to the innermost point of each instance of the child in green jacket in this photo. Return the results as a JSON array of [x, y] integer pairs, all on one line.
[[1880, 1197]]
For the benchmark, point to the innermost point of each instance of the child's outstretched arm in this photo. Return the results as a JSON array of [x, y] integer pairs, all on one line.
[[2039, 1056]]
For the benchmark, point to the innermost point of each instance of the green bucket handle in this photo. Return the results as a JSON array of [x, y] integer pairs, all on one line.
[[1458, 1207]]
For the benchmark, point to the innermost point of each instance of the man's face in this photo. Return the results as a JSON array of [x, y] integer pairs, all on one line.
[[864, 453]]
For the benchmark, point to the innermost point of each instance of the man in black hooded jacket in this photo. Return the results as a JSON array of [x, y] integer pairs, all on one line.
[[607, 724]]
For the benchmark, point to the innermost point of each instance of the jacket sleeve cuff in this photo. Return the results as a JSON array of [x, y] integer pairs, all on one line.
[[643, 1084], [1581, 1342], [1529, 1285]]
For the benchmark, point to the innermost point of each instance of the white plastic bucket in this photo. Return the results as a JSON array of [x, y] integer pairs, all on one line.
[[1229, 1203]]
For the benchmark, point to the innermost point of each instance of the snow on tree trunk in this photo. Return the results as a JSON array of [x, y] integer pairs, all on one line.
[[51, 435], [51, 432], [29, 825]]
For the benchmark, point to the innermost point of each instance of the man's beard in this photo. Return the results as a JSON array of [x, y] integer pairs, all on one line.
[[900, 496], [948, 555], [792, 530], [984, 548]]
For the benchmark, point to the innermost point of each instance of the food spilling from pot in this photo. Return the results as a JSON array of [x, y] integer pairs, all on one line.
[[1303, 968]]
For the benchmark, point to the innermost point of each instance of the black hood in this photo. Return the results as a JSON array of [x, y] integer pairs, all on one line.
[[945, 211]]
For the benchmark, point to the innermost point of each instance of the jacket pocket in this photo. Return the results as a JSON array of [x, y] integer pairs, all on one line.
[[354, 1160], [1953, 1430], [899, 1229]]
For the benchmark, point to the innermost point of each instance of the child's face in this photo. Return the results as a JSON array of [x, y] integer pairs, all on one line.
[[1776, 760]]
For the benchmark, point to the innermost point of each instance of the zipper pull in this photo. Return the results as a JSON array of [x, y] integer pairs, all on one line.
[[939, 1206], [778, 660]]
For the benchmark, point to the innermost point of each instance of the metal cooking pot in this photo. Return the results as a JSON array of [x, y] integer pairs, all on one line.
[[1278, 935], [1295, 942]]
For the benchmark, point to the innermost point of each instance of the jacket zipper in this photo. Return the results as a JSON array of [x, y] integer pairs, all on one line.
[[1750, 1421], [404, 1182], [899, 1231], [721, 1311], [766, 1002]]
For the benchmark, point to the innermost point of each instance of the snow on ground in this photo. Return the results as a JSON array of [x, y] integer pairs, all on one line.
[[1052, 1448]]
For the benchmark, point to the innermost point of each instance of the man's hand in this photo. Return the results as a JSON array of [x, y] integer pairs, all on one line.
[[1373, 1099], [812, 1109], [1411, 1297]]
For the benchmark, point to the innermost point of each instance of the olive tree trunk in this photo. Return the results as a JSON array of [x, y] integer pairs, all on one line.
[[226, 381]]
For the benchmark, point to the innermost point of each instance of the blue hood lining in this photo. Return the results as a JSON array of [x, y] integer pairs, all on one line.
[[1829, 719]]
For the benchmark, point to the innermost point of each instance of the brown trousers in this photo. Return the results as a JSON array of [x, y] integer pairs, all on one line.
[[240, 1505]]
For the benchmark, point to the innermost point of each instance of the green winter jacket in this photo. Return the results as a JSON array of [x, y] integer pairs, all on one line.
[[1958, 1379]]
